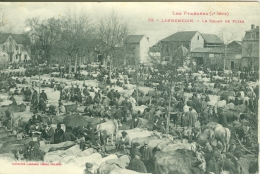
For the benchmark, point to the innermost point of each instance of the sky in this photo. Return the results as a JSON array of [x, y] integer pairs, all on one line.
[[137, 14]]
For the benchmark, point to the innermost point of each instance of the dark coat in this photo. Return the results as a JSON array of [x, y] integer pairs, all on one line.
[[137, 165], [57, 136], [136, 124], [222, 119], [68, 136], [213, 166]]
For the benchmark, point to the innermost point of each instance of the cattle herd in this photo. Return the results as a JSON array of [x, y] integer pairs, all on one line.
[[130, 122]]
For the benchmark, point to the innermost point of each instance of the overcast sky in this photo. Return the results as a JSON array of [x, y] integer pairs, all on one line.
[[137, 14]]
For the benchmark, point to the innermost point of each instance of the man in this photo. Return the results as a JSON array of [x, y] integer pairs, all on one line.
[[27, 94], [89, 168], [136, 164], [33, 152], [88, 99], [89, 133], [62, 108], [68, 135], [48, 134], [136, 122], [147, 157], [43, 95], [123, 142], [214, 164], [42, 105], [36, 118], [192, 117], [222, 119], [34, 99], [58, 134], [16, 91], [134, 150]]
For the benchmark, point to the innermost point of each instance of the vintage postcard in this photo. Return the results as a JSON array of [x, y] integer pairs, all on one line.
[[129, 87]]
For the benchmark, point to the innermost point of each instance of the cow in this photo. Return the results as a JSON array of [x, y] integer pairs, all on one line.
[[106, 129]]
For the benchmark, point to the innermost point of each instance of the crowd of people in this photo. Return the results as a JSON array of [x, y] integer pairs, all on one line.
[[109, 103]]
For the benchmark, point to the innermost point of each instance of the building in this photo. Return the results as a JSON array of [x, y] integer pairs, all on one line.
[[139, 45], [190, 40], [234, 55], [155, 52], [14, 47], [250, 47]]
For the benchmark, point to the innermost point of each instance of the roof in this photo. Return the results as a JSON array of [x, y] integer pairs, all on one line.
[[235, 41], [256, 29], [211, 38], [134, 38], [154, 49], [180, 36], [19, 38]]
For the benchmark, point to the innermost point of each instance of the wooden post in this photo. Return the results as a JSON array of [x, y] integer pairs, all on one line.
[[169, 113], [137, 90]]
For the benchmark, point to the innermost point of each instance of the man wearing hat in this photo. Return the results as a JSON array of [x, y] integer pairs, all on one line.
[[43, 95], [48, 133], [35, 98], [27, 94], [136, 164], [58, 134], [89, 167], [123, 142], [147, 157], [136, 122], [134, 150]]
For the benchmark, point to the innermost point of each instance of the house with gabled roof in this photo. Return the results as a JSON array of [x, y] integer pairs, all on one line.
[[139, 47], [190, 40], [14, 47]]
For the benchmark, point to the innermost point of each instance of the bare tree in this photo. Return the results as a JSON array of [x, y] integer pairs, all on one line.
[[113, 31], [76, 35], [47, 32], [226, 36]]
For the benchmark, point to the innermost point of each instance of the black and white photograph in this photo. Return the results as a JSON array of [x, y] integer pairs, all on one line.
[[129, 87]]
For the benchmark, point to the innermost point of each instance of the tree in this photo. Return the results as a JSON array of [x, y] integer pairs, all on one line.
[[47, 32], [113, 31], [77, 33], [226, 35], [3, 19]]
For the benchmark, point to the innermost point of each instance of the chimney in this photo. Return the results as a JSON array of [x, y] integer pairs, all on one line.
[[252, 26], [147, 38]]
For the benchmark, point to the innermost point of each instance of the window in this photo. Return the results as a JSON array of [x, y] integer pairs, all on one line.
[[16, 47], [16, 56], [167, 49], [211, 55], [198, 37], [3, 47], [25, 57], [253, 36]]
